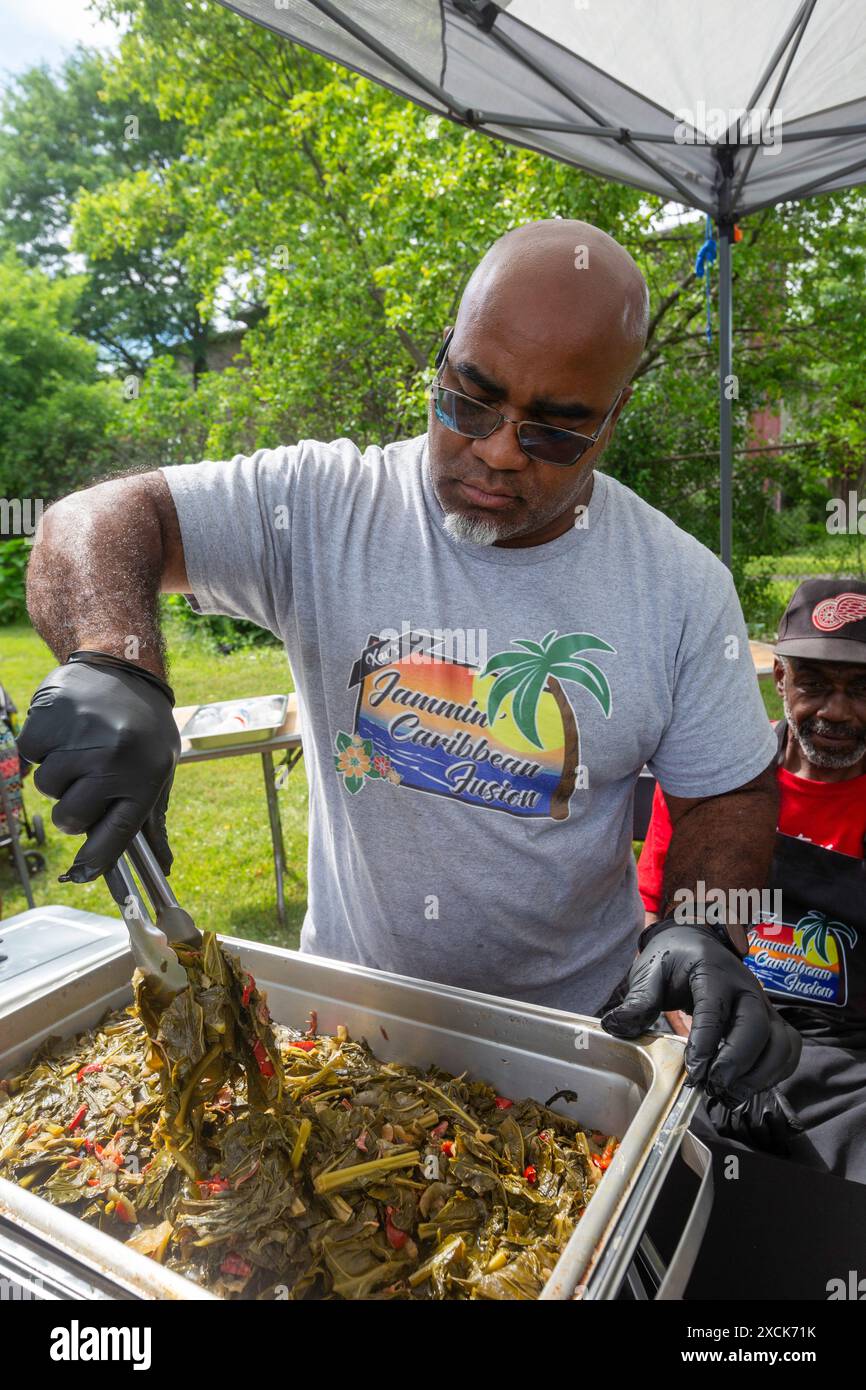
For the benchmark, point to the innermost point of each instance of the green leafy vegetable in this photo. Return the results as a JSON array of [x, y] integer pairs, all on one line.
[[204, 1136]]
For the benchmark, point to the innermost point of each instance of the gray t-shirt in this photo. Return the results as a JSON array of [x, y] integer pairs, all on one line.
[[474, 718]]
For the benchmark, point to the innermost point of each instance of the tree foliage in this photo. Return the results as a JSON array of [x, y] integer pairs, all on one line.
[[58, 420], [63, 139]]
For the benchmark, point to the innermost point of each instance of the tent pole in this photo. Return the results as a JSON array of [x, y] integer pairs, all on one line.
[[726, 232]]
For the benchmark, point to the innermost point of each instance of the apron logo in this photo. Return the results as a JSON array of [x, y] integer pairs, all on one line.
[[816, 933], [501, 735], [803, 961]]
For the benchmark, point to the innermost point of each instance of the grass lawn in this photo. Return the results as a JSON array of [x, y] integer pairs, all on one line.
[[217, 819], [844, 555]]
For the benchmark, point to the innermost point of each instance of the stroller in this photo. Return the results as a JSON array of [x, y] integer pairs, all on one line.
[[14, 820]]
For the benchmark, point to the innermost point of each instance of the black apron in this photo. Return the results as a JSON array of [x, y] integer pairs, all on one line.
[[812, 964]]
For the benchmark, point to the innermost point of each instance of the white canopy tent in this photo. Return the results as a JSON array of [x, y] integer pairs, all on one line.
[[727, 109]]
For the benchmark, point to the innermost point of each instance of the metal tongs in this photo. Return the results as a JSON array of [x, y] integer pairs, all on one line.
[[150, 936]]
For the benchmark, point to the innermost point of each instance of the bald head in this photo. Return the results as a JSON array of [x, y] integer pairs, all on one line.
[[565, 284]]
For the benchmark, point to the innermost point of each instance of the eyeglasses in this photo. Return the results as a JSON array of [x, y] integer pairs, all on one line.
[[475, 420]]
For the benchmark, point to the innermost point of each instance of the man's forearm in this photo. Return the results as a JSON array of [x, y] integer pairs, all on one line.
[[725, 843], [94, 575]]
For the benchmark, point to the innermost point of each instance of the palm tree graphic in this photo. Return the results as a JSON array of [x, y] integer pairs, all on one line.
[[816, 928], [524, 675]]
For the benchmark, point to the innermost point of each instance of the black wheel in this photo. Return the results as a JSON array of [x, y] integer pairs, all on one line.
[[35, 861], [37, 829]]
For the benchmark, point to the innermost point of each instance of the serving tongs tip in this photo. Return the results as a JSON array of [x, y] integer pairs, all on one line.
[[140, 888]]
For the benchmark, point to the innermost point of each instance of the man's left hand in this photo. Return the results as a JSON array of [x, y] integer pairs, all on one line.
[[738, 1043]]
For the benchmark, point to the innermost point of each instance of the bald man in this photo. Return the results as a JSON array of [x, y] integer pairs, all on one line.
[[489, 638]]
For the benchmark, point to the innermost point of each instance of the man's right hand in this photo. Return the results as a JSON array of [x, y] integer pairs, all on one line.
[[104, 735]]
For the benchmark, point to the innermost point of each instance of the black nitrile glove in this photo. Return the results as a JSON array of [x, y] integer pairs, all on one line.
[[738, 1043], [104, 735], [767, 1122]]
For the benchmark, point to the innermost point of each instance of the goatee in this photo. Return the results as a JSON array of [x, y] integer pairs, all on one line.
[[819, 757], [468, 528]]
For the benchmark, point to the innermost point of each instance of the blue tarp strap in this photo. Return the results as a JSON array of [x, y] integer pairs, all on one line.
[[704, 259]]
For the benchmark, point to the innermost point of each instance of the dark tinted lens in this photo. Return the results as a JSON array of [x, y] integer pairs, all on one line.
[[464, 415], [551, 445]]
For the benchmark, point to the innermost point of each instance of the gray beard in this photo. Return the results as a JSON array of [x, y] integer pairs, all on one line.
[[467, 528], [815, 755]]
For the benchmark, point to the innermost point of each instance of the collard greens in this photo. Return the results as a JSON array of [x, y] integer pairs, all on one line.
[[266, 1163]]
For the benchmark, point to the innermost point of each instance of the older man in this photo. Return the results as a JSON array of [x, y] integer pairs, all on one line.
[[489, 638], [809, 948]]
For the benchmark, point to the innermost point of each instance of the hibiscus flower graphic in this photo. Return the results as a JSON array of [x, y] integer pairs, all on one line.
[[356, 762]]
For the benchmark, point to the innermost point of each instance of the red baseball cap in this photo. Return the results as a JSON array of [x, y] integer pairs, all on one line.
[[825, 621]]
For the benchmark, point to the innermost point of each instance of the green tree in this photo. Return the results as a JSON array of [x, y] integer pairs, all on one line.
[[58, 420], [62, 139]]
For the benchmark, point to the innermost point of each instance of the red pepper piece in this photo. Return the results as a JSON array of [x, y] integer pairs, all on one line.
[[248, 989], [439, 1130], [266, 1066], [544, 1136], [88, 1071], [234, 1264], [604, 1160], [395, 1237], [88, 1146], [105, 1156], [305, 1044], [447, 1147], [312, 1022], [503, 1104], [530, 1173], [76, 1119], [209, 1186]]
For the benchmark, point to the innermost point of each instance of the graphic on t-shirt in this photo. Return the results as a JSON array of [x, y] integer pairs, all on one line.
[[502, 736], [804, 961]]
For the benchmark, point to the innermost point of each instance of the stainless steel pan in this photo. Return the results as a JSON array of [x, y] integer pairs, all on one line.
[[634, 1090]]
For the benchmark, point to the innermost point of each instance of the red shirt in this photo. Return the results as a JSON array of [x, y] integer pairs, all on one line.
[[830, 814]]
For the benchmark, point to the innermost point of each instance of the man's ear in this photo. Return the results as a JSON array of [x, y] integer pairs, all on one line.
[[778, 676]]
